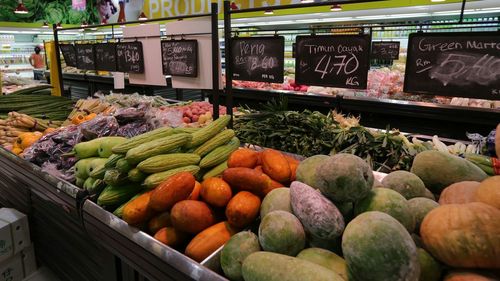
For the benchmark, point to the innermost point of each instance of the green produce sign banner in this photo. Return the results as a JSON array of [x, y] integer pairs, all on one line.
[[51, 11]]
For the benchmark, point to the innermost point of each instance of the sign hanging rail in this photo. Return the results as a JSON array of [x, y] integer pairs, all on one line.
[[305, 5]]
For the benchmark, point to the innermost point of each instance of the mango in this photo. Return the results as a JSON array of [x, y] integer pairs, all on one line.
[[277, 199], [306, 171], [235, 251], [281, 232], [440, 169], [325, 258], [407, 184]]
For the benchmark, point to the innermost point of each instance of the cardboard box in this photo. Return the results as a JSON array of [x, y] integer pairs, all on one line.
[[19, 229], [12, 269], [6, 247]]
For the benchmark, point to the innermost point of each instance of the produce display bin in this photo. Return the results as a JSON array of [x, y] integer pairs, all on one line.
[[415, 117], [141, 251]]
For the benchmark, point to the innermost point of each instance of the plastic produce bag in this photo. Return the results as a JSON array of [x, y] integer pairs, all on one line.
[[101, 126], [133, 129], [131, 114], [168, 117]]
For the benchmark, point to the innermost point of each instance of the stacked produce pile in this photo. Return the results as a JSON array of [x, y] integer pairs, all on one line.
[[88, 109], [180, 211], [336, 222], [13, 83]]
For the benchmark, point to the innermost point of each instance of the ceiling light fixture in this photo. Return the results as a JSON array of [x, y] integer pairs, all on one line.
[[268, 12], [435, 1], [306, 1], [142, 16], [336, 8], [21, 9]]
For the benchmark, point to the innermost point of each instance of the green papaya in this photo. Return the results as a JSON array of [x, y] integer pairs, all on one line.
[[79, 182], [81, 168], [97, 162], [88, 183], [106, 146]]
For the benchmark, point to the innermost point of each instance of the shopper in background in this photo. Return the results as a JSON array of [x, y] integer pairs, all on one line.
[[37, 61]]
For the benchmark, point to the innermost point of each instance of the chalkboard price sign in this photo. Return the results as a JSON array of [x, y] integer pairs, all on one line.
[[69, 54], [333, 60], [385, 50], [258, 58], [461, 64], [180, 57], [85, 56], [105, 56], [129, 57]]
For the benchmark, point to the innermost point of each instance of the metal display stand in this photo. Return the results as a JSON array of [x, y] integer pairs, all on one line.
[[425, 118]]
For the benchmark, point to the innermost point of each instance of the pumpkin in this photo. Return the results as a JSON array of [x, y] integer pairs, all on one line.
[[463, 235], [28, 139], [489, 191], [468, 276], [459, 193], [77, 119]]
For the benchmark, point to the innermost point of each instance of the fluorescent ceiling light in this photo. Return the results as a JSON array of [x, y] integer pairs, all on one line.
[[269, 12], [306, 1]]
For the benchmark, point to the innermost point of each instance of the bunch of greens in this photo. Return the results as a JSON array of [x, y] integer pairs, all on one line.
[[310, 133]]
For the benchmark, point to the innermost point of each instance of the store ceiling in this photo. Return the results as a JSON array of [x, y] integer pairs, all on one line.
[[451, 11]]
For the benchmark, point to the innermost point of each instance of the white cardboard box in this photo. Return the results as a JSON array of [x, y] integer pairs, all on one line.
[[6, 247], [12, 269], [19, 229]]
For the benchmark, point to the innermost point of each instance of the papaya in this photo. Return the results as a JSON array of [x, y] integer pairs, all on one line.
[[209, 240], [82, 167], [440, 169], [235, 251], [195, 194], [159, 221], [191, 216], [281, 232], [459, 193], [277, 199], [174, 189], [106, 146], [138, 211], [420, 207], [265, 266], [294, 164], [325, 258], [246, 179], [462, 275], [243, 157], [306, 170], [96, 163], [275, 165], [430, 269], [170, 236], [344, 178], [318, 215], [488, 191], [405, 183], [377, 247], [243, 209], [390, 202]]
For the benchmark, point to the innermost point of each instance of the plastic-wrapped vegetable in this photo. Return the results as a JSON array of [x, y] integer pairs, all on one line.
[[133, 129], [131, 114], [100, 126]]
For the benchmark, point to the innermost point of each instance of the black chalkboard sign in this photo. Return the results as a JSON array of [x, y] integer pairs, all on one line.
[[105, 56], [385, 50], [258, 58], [69, 54], [180, 57], [333, 60], [129, 57], [461, 64], [85, 56]]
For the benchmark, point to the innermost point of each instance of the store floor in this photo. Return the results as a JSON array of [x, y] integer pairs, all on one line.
[[42, 274]]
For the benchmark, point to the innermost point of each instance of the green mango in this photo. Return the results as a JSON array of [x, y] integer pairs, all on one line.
[[87, 149], [81, 168], [106, 146], [79, 182], [96, 163]]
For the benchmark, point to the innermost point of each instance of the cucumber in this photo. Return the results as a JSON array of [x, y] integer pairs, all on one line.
[[215, 171], [157, 147], [112, 160], [135, 175], [123, 166], [117, 195], [144, 138], [155, 179], [96, 187], [165, 162], [114, 177]]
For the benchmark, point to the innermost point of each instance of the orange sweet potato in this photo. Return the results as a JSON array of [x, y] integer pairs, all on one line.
[[243, 157], [191, 216], [246, 179], [259, 169], [209, 240], [243, 209], [138, 211], [275, 165], [169, 236], [171, 191], [159, 221]]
